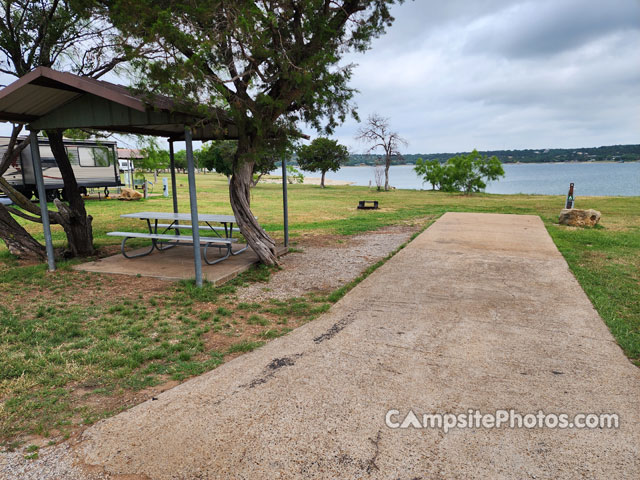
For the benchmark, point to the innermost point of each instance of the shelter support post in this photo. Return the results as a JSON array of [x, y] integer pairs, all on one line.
[[172, 164], [193, 200], [131, 172], [285, 202], [42, 195]]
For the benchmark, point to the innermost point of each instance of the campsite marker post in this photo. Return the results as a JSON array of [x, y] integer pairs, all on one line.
[[570, 197]]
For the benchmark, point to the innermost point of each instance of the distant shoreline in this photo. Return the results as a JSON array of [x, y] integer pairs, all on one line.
[[509, 163]]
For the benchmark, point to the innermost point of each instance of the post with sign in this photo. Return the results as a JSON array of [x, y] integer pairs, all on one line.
[[570, 197]]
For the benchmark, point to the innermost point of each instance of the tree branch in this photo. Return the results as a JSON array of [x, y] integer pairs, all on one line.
[[21, 214], [24, 203], [12, 152]]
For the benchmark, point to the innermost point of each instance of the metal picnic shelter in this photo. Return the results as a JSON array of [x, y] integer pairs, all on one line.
[[48, 99]]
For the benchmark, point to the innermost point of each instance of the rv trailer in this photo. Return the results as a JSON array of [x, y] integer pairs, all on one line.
[[93, 161]]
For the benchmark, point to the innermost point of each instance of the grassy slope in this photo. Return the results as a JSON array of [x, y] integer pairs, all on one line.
[[55, 342]]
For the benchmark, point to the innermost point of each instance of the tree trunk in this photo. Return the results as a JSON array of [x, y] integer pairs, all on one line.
[[75, 221], [19, 242], [386, 174], [256, 180], [240, 196], [14, 149], [322, 179]]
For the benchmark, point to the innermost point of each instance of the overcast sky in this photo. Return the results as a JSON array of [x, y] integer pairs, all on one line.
[[500, 74], [455, 75]]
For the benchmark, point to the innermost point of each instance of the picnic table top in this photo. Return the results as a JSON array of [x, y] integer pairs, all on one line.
[[180, 217]]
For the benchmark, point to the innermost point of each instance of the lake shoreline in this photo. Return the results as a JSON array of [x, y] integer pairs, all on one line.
[[548, 178], [509, 163]]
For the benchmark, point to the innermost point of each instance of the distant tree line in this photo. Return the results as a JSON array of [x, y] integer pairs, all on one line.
[[613, 153]]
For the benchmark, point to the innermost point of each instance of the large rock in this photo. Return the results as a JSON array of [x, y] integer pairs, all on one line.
[[129, 194], [579, 218]]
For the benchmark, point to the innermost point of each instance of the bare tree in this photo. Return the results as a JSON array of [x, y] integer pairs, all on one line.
[[378, 175], [377, 133]]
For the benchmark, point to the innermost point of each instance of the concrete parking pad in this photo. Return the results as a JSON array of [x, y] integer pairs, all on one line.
[[175, 264], [480, 312]]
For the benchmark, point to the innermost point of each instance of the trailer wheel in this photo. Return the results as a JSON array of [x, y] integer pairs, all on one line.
[[106, 192], [52, 195], [83, 191], [48, 193], [27, 192]]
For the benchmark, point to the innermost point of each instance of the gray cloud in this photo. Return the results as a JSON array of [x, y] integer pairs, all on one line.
[[505, 74], [541, 28]]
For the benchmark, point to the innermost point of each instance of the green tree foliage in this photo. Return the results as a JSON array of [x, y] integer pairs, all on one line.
[[431, 170], [294, 175], [219, 155], [180, 160], [463, 173], [322, 155], [153, 157], [269, 65]]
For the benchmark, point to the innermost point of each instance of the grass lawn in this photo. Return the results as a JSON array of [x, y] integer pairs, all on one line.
[[77, 346]]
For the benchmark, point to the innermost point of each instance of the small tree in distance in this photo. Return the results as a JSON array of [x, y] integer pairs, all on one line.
[[153, 157], [322, 155], [378, 174], [218, 156], [462, 173], [431, 171], [378, 134]]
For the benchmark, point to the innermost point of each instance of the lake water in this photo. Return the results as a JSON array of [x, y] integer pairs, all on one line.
[[538, 178]]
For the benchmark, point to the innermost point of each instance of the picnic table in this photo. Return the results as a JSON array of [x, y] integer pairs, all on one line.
[[165, 231]]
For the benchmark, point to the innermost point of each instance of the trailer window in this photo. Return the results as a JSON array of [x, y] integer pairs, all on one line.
[[46, 157], [94, 156], [72, 153]]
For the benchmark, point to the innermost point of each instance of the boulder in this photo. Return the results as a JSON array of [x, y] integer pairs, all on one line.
[[129, 194], [575, 217]]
